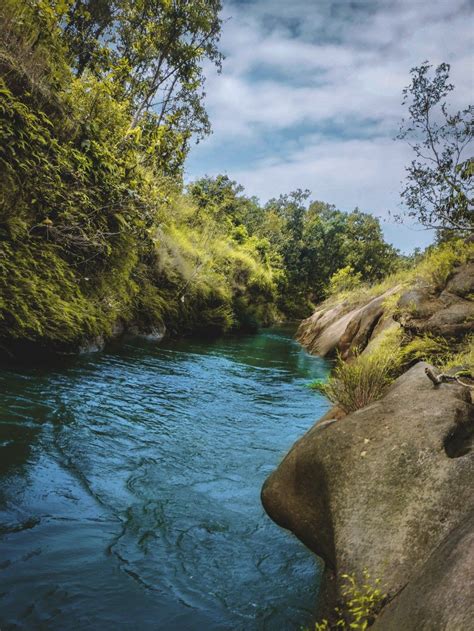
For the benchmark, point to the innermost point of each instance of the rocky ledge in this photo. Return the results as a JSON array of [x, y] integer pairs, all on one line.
[[388, 489], [342, 327]]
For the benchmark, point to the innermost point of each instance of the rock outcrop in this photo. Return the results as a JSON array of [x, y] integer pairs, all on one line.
[[448, 312], [342, 327], [151, 334], [440, 596], [389, 489]]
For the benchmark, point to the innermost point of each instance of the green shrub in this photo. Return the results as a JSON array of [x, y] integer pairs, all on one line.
[[356, 383], [438, 264], [429, 348], [344, 280], [463, 358], [40, 297], [434, 269], [91, 230], [361, 604]]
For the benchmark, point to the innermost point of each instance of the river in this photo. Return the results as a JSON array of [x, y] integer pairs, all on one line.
[[130, 483]]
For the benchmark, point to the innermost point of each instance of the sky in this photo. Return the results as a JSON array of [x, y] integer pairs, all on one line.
[[310, 97]]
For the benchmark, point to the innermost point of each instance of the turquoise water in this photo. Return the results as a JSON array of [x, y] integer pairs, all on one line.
[[130, 483]]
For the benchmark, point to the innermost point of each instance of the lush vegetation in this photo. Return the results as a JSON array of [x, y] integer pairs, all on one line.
[[99, 104], [308, 242], [353, 385], [362, 380]]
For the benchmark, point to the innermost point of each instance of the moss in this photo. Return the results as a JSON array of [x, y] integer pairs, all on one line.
[[92, 234], [41, 299]]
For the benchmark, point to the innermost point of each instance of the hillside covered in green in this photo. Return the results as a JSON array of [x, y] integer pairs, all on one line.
[[100, 103]]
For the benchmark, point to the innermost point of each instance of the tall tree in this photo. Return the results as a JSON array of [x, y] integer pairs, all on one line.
[[85, 24], [153, 53], [439, 190], [364, 247]]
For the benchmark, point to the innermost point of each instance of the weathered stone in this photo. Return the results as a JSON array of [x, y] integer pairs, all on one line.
[[449, 313], [151, 334], [333, 414], [418, 302], [384, 486], [362, 325], [340, 328], [440, 596], [311, 329], [462, 282], [92, 345]]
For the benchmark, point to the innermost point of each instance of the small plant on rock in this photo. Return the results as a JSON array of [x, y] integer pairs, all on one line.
[[463, 359], [433, 349], [355, 384], [361, 605]]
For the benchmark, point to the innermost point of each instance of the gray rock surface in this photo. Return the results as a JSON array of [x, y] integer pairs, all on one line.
[[151, 334], [440, 596], [382, 488], [343, 327], [449, 312]]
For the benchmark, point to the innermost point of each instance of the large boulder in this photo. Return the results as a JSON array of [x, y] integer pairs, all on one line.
[[447, 315], [448, 312], [343, 327], [440, 596], [383, 487], [461, 282]]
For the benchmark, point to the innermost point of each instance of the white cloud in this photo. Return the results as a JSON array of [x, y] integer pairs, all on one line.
[[332, 68], [342, 172]]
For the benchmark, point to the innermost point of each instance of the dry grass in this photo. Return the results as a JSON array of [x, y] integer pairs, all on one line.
[[434, 270], [355, 384]]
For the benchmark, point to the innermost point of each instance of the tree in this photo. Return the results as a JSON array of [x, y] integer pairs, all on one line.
[[219, 197], [305, 242], [153, 51], [364, 248], [291, 211], [85, 23], [440, 180]]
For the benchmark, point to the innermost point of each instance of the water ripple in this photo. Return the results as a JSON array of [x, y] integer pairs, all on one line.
[[130, 482]]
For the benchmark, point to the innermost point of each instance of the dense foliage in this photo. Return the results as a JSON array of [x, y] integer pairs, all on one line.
[[356, 383], [99, 102], [309, 241], [95, 230]]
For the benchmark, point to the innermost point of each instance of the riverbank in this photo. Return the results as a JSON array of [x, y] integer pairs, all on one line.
[[99, 233], [383, 482]]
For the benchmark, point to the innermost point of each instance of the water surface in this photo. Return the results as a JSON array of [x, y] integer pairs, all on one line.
[[130, 483]]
